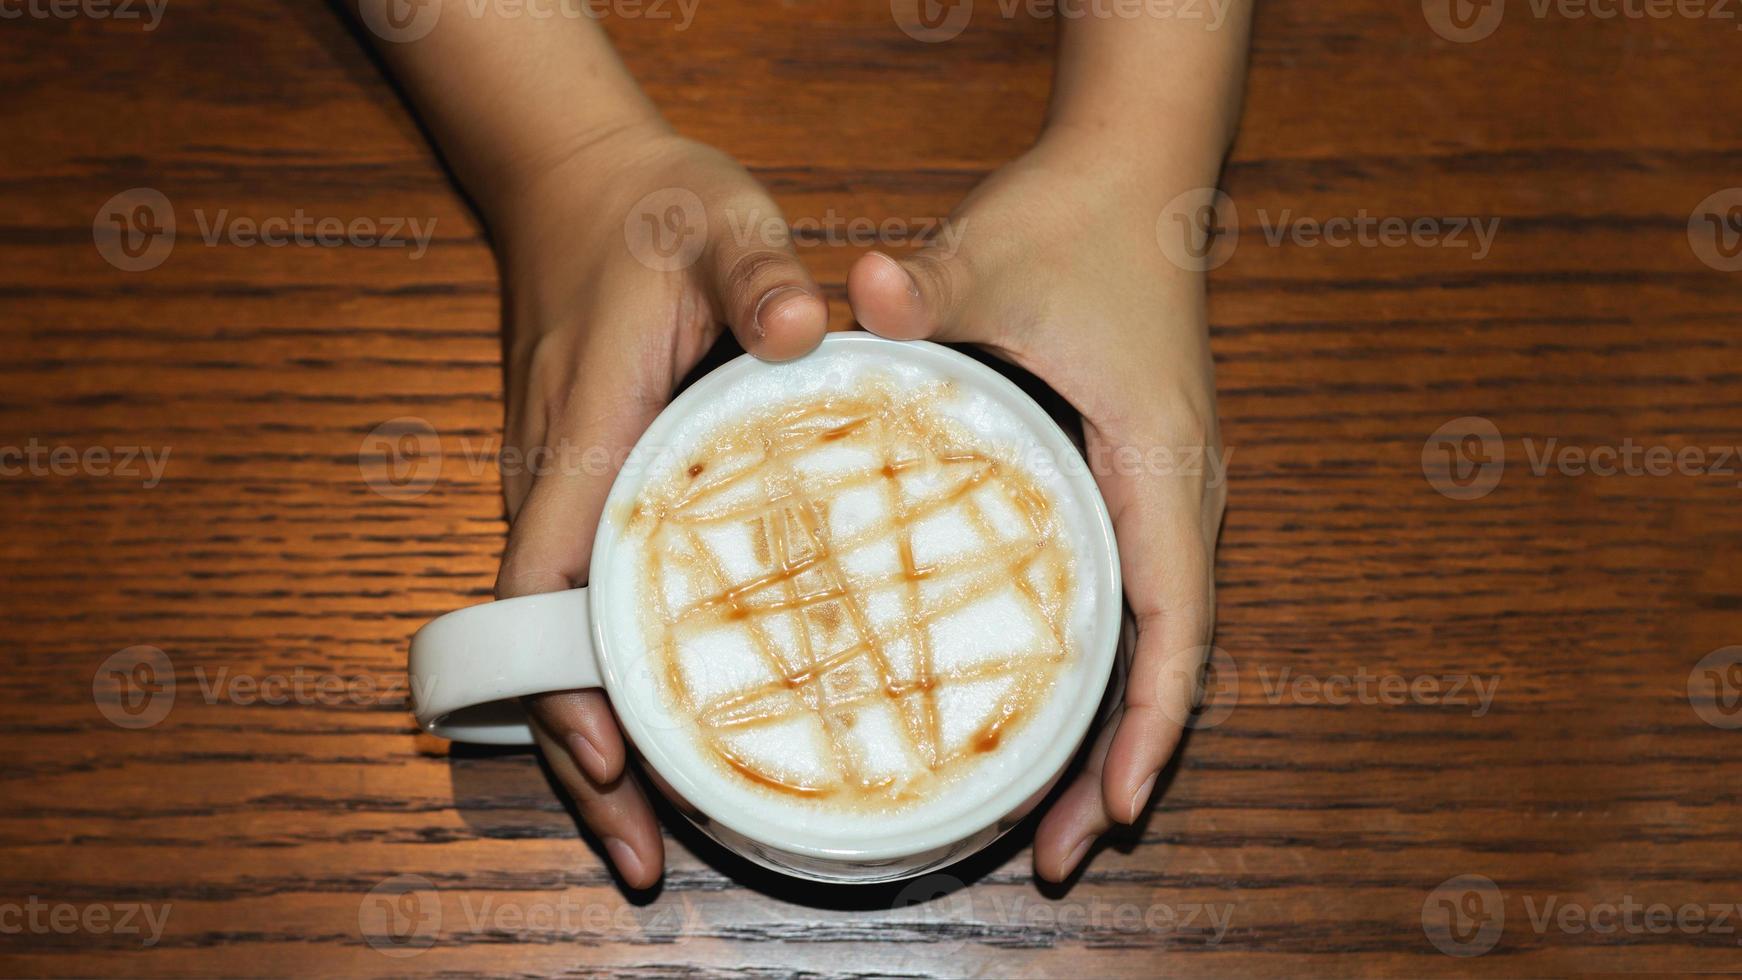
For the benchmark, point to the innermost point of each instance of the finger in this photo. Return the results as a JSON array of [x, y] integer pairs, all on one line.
[[921, 297], [1173, 633], [616, 810], [1076, 818], [551, 540], [583, 723], [768, 298], [599, 416], [1166, 560], [1171, 647]]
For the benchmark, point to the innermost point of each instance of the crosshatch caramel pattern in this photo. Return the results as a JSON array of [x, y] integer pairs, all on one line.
[[806, 599]]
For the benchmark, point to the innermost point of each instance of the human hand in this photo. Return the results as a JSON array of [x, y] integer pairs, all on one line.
[[1057, 269], [612, 298]]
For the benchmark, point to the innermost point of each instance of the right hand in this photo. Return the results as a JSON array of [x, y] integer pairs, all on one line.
[[602, 327]]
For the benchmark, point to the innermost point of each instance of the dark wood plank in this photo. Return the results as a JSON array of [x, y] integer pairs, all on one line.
[[1315, 831]]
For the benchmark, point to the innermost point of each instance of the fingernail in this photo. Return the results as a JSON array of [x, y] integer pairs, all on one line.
[[769, 299], [623, 856], [1139, 798], [1077, 853], [588, 756]]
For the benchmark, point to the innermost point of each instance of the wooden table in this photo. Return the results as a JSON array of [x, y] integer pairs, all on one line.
[[1307, 831]]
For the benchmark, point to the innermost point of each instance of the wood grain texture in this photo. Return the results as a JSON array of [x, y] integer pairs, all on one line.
[[1319, 830]]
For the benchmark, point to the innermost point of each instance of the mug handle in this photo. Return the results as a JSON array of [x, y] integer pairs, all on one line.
[[467, 668]]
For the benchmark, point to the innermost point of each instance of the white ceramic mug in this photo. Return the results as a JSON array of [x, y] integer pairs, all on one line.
[[469, 667]]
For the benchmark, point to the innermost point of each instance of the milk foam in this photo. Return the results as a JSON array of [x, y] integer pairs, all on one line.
[[761, 618]]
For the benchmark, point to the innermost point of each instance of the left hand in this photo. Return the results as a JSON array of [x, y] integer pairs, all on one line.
[[1058, 270]]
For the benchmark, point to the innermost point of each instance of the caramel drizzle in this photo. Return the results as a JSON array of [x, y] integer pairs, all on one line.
[[792, 536]]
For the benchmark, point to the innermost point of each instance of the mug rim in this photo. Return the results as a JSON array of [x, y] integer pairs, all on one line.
[[1101, 647]]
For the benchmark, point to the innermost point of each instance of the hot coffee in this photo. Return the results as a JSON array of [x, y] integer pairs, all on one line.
[[855, 602]]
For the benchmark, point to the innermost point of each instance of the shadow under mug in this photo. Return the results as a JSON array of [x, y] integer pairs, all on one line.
[[469, 668]]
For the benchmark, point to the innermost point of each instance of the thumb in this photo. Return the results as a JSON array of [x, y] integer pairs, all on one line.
[[921, 297], [767, 297]]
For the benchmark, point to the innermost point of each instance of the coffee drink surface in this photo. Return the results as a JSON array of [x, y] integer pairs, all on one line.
[[856, 603]]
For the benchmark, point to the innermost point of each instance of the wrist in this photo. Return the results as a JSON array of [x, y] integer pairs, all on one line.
[[1145, 169], [524, 188]]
